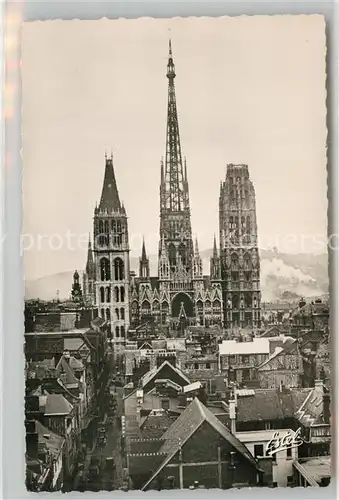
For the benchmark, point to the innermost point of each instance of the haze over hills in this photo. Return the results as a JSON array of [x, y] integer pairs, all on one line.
[[283, 276]]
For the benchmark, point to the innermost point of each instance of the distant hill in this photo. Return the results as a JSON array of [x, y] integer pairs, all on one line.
[[283, 276]]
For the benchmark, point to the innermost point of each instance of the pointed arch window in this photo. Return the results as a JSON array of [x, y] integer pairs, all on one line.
[[234, 262], [122, 313], [119, 226], [122, 329], [117, 331], [117, 314], [114, 226], [116, 293], [118, 269], [247, 262], [216, 305], [106, 227], [248, 224], [146, 307], [102, 294], [108, 315], [172, 254], [105, 271], [122, 294], [102, 313], [183, 253], [101, 226], [108, 294]]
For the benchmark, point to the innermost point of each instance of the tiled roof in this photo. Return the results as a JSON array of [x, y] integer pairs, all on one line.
[[158, 344], [270, 404], [288, 345], [154, 426], [76, 364], [153, 402], [64, 368], [315, 468], [271, 331], [311, 410], [320, 308], [53, 442], [177, 344], [186, 425], [144, 445], [57, 404], [74, 344], [152, 374]]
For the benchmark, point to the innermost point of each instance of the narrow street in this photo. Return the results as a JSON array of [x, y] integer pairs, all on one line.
[[110, 476]]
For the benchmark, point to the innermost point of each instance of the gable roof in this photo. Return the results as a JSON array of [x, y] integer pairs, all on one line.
[[152, 374], [269, 404], [271, 331], [186, 425], [311, 411], [63, 368], [57, 404], [53, 442], [289, 344]]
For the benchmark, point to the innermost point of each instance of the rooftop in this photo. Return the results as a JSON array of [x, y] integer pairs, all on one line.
[[258, 345], [186, 425], [254, 436], [314, 469], [76, 331]]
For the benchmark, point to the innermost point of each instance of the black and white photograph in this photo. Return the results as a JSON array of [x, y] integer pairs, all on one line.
[[175, 244]]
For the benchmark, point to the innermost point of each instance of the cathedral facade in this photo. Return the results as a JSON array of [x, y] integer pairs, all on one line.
[[180, 294]]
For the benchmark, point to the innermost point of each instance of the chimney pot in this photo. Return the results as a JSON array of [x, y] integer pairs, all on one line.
[[319, 383]]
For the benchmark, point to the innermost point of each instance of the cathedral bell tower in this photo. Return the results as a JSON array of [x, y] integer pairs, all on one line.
[[240, 264], [111, 257]]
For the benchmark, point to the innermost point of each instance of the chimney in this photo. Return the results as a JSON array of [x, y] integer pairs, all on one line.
[[326, 408], [320, 384], [232, 415], [165, 403], [31, 440]]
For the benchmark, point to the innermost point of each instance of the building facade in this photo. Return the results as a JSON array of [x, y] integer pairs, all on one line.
[[180, 295], [240, 264]]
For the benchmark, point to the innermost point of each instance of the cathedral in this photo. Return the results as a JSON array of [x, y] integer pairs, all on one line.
[[181, 294]]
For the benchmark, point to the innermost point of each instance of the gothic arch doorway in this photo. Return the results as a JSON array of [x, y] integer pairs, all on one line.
[[187, 303]]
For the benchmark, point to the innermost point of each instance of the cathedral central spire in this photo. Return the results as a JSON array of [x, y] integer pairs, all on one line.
[[174, 188]]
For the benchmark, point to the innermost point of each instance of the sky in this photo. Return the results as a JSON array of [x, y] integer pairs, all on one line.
[[249, 90]]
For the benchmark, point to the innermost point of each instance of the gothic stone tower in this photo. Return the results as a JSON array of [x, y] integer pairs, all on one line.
[[176, 243], [240, 265], [111, 257], [89, 276]]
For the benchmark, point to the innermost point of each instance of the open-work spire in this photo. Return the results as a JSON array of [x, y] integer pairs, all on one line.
[[174, 174]]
